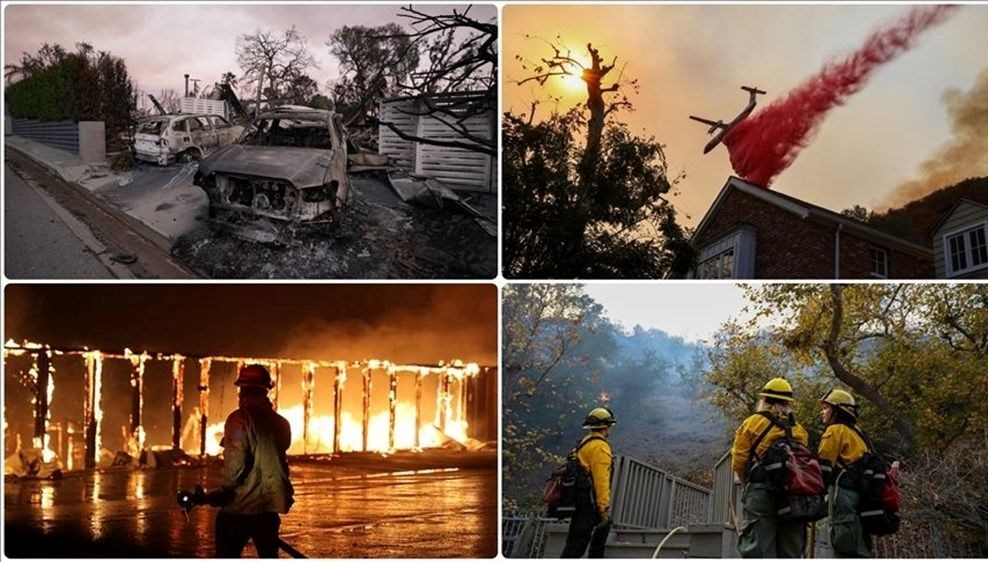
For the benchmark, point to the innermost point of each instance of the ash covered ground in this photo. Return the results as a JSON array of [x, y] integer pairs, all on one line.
[[379, 237]]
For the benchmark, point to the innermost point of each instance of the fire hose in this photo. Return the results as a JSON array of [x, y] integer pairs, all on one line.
[[663, 543], [188, 500]]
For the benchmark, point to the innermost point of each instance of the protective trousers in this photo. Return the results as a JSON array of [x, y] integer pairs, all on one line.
[[233, 530], [762, 534], [847, 537], [583, 531]]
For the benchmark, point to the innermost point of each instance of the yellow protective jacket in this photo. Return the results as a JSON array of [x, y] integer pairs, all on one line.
[[840, 447], [748, 432], [595, 456]]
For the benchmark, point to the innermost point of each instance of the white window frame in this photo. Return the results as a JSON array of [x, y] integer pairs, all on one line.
[[948, 262], [885, 262]]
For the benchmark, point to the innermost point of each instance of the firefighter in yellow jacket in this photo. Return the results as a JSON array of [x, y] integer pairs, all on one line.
[[762, 535], [840, 447], [591, 521]]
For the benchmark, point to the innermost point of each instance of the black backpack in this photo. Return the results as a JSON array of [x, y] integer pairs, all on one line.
[[878, 488], [792, 473], [569, 485]]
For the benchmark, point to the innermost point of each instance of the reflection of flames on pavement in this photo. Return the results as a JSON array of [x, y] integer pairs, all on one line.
[[400, 426]]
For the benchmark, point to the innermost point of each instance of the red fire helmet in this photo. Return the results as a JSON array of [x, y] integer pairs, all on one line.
[[254, 375]]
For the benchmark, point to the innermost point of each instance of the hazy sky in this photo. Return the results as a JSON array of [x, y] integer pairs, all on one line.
[[162, 42], [693, 59], [693, 312]]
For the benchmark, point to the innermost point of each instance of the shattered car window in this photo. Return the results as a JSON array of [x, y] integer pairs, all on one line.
[[179, 126], [220, 123], [151, 127], [295, 133]]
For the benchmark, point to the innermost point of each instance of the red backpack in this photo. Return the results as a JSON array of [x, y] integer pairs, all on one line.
[[878, 486], [793, 472]]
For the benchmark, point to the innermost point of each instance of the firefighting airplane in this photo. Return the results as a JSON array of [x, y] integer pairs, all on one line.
[[725, 128]]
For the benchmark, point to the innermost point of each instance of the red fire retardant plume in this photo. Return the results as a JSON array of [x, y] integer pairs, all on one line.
[[768, 141]]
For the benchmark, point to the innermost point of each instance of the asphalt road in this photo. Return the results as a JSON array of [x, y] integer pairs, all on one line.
[[359, 509], [38, 241]]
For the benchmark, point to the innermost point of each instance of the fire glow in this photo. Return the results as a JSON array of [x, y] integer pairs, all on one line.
[[766, 143], [400, 426]]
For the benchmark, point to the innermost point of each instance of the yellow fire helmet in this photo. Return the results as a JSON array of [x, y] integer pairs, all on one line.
[[842, 400], [599, 418], [777, 388]]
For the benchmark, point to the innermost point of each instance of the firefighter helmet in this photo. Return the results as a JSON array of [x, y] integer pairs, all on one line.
[[254, 375], [842, 400], [777, 388], [599, 418]]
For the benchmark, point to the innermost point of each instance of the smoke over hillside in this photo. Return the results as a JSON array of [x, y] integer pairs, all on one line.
[[964, 156]]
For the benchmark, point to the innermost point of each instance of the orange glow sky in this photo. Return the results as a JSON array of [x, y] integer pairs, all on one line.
[[693, 59]]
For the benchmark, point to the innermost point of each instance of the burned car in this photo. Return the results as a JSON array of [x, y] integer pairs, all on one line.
[[182, 137], [287, 170]]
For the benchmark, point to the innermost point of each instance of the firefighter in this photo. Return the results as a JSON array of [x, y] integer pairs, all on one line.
[[840, 448], [761, 534], [256, 488], [591, 521]]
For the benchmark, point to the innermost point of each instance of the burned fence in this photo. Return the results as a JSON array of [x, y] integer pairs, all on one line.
[[371, 405]]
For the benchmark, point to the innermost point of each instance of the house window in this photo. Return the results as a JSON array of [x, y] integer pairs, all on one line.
[[967, 250], [879, 263], [720, 266]]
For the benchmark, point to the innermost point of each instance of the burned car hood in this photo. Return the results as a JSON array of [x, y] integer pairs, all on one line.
[[303, 167]]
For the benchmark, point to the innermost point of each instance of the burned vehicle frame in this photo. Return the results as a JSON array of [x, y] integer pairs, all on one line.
[[286, 171]]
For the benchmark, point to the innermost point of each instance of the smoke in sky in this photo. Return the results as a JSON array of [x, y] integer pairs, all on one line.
[[766, 143], [964, 156]]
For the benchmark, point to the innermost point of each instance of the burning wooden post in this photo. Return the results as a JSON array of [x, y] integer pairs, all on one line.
[[137, 397], [338, 404], [367, 396], [44, 387], [204, 365], [442, 398], [92, 413], [392, 405], [308, 385], [276, 375], [419, 375], [178, 379]]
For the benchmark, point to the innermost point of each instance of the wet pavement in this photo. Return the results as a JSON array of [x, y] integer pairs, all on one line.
[[366, 506]]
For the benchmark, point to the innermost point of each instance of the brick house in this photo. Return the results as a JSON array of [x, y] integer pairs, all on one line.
[[751, 232]]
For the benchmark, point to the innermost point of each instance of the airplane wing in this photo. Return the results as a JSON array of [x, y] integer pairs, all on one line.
[[714, 125]]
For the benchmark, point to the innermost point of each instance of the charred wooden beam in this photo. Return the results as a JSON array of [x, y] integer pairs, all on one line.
[[418, 406], [137, 398], [367, 395], [92, 414], [338, 405], [178, 381], [308, 386], [276, 375], [392, 407], [44, 385], [204, 365]]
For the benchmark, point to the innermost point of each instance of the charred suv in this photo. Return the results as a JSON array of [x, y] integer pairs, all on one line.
[[287, 169]]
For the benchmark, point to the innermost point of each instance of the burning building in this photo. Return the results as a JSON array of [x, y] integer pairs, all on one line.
[[334, 407]]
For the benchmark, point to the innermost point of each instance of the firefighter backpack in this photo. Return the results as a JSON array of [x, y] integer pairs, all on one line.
[[569, 485], [879, 490], [793, 472]]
